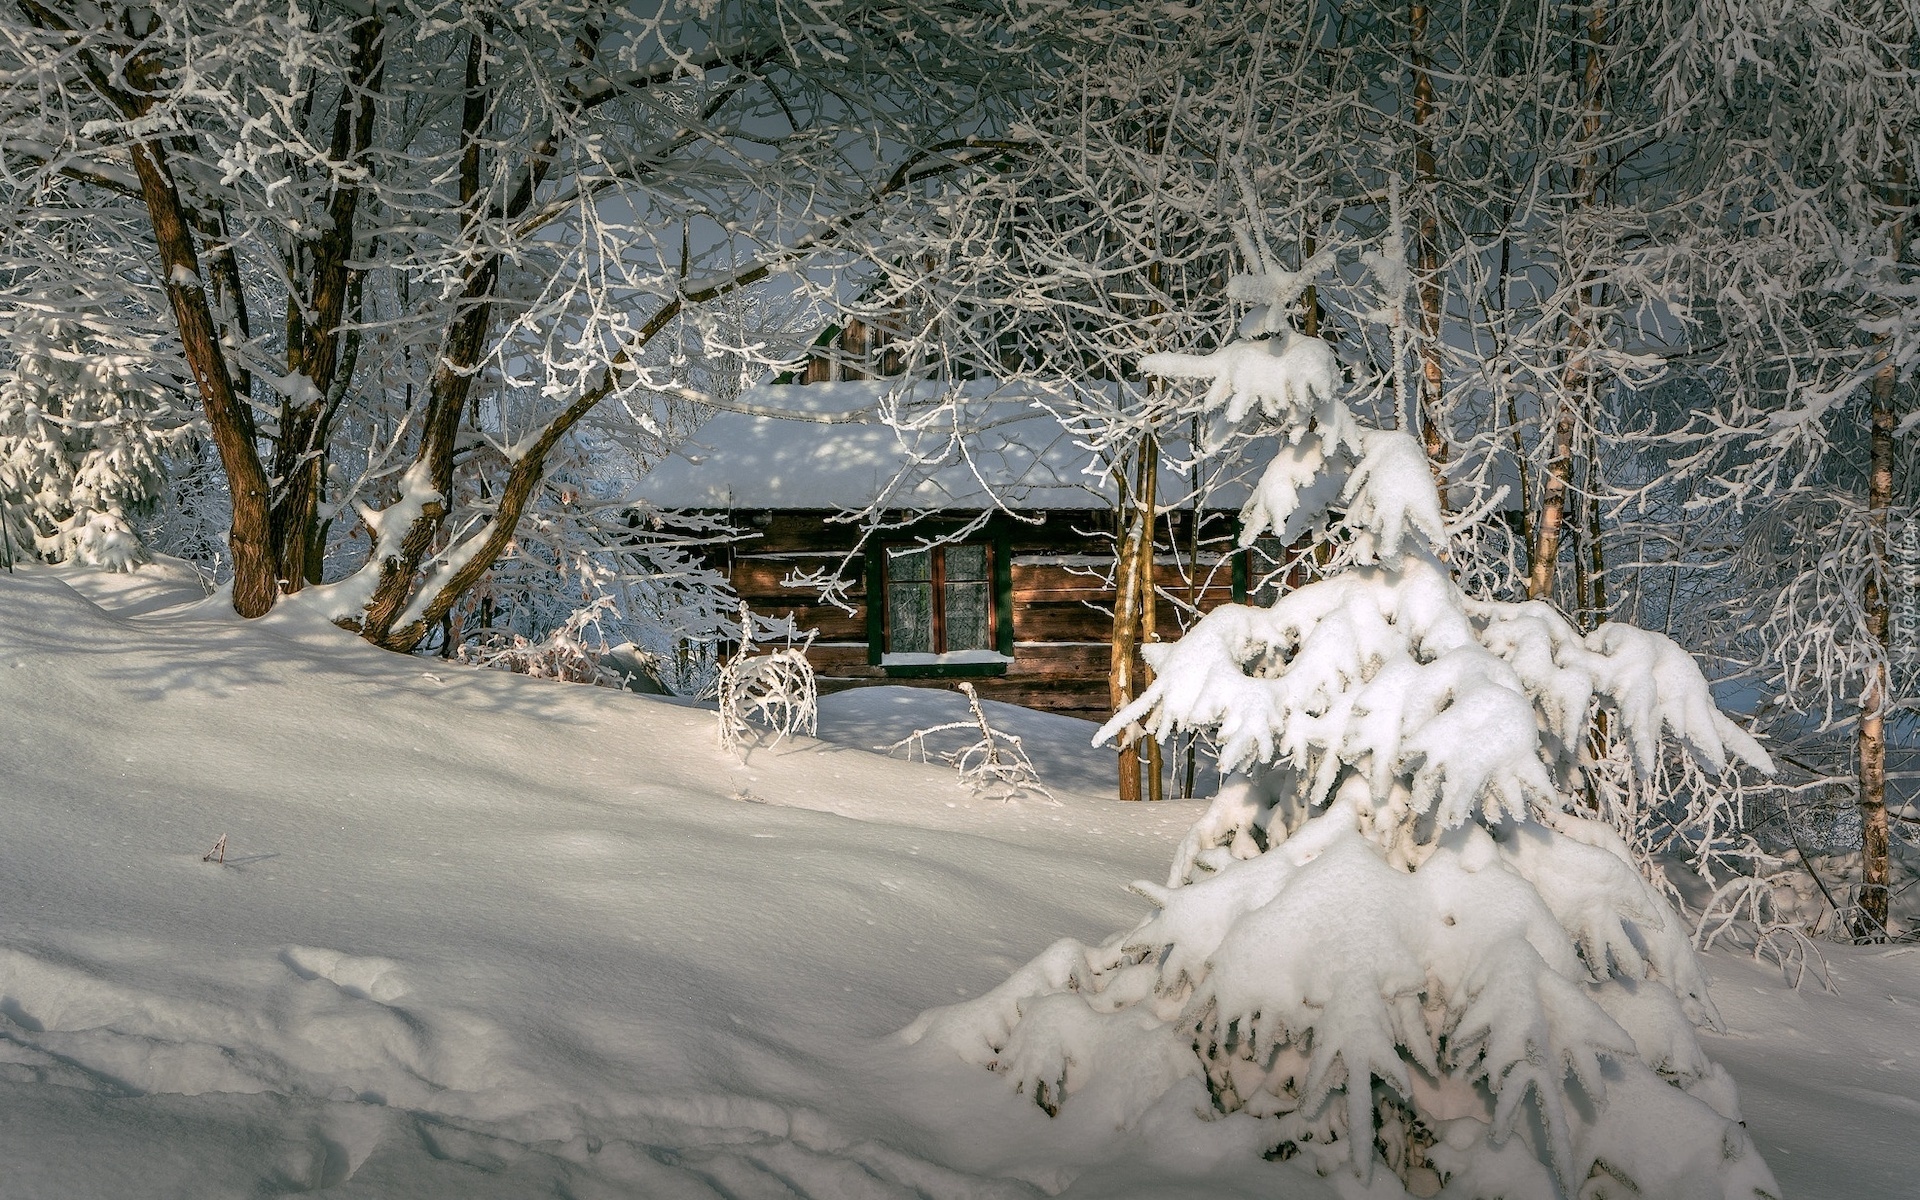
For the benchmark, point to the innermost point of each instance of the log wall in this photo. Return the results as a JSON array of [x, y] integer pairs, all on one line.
[[1062, 597]]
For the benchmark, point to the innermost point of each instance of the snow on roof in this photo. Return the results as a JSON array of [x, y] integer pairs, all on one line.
[[996, 442], [745, 460]]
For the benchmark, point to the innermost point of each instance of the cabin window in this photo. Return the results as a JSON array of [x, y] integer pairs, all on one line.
[[942, 610], [939, 600], [1269, 569]]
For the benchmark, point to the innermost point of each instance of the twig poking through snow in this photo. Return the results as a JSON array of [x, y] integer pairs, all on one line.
[[219, 852], [994, 767]]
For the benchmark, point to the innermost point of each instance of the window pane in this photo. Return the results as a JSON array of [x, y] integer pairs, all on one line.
[[909, 617], [909, 564], [966, 564], [1267, 571], [969, 613]]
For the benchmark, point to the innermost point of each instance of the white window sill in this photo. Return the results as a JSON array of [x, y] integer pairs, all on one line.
[[957, 658]]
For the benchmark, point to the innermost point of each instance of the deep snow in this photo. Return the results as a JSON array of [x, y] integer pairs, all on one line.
[[480, 935]]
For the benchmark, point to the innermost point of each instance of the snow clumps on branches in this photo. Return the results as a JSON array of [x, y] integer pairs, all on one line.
[[84, 428], [1395, 936]]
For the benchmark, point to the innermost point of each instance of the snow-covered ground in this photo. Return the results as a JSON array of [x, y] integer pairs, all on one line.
[[479, 935]]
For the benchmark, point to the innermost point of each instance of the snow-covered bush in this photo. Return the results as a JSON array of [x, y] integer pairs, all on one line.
[[568, 653], [83, 434], [1399, 934], [587, 556], [776, 688]]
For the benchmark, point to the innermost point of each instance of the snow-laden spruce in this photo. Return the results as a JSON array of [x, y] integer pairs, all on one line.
[[1394, 935], [83, 428]]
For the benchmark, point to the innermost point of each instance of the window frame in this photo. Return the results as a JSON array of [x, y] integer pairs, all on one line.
[[994, 538]]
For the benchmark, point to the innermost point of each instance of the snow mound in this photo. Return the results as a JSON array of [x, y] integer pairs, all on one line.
[[476, 935], [483, 936]]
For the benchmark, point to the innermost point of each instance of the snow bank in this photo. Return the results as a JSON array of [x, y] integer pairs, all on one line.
[[481, 935], [486, 936]]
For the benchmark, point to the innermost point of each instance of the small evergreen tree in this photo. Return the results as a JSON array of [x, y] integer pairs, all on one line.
[[1397, 934], [83, 433]]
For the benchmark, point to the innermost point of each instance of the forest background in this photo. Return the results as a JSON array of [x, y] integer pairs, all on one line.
[[385, 306]]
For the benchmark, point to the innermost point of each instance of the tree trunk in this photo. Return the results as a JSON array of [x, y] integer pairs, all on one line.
[[452, 381], [1427, 252], [227, 298], [447, 399], [441, 590], [1149, 599], [1126, 619], [1577, 376], [1596, 548], [1871, 736], [128, 86], [314, 336], [386, 621], [1189, 759], [1545, 556], [249, 541]]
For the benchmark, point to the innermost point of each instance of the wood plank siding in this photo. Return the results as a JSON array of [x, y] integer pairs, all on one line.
[[1056, 581]]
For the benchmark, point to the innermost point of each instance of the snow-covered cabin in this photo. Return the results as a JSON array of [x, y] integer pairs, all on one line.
[[1019, 602]]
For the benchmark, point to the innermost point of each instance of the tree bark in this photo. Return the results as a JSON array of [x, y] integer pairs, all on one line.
[[1126, 616], [447, 398], [227, 298], [1427, 252], [1576, 380], [249, 541], [1872, 736], [314, 335], [128, 88], [452, 380], [1149, 599], [1544, 559], [1596, 549]]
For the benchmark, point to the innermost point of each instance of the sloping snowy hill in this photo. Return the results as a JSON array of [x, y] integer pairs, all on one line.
[[479, 935]]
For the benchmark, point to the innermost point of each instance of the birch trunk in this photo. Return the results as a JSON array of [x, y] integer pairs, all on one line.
[[1126, 617], [1577, 378], [1871, 736], [1427, 252], [1149, 615]]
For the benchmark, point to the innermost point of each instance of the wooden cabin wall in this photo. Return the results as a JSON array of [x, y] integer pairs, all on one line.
[[852, 350], [1062, 600]]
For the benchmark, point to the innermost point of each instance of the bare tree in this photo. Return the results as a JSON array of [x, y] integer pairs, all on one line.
[[1807, 315]]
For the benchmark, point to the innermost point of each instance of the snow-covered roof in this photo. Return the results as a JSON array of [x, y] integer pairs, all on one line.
[[997, 441]]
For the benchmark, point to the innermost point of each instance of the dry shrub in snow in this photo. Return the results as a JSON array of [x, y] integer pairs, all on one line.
[[994, 766], [1399, 935], [567, 653], [775, 689]]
